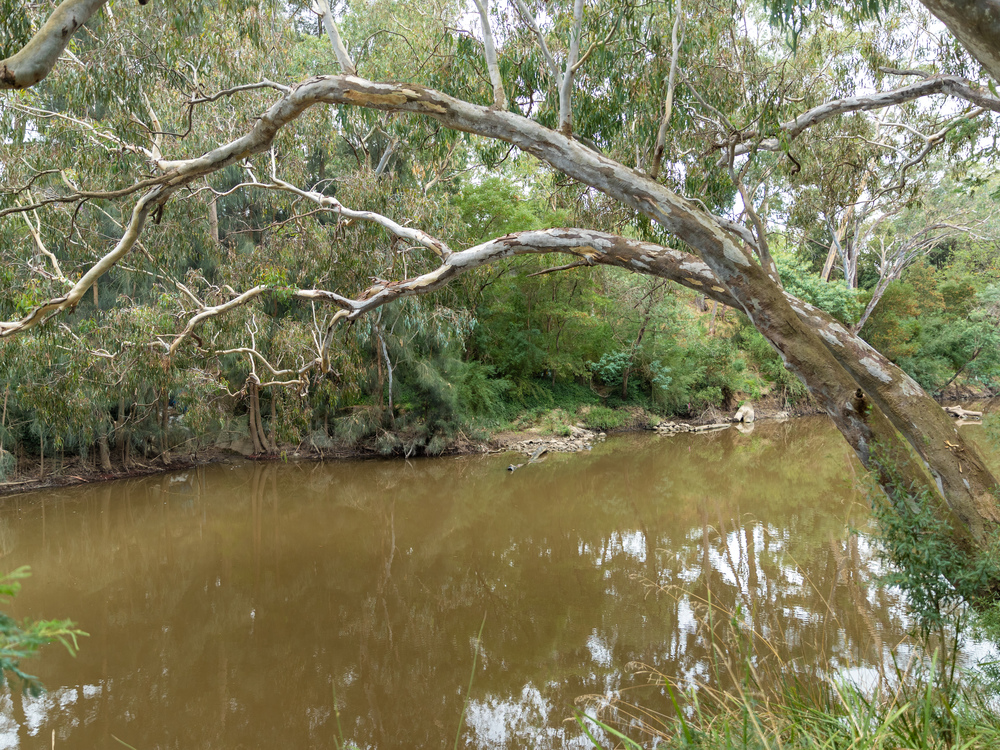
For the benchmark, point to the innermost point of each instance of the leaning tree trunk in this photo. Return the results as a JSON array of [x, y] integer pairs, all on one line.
[[867, 396], [807, 350]]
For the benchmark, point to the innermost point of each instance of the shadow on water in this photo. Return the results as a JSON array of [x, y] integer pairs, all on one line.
[[227, 605]]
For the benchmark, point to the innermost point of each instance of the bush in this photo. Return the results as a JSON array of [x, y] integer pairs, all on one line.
[[605, 419]]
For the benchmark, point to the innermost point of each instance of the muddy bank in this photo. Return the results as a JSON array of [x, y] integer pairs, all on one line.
[[528, 442]]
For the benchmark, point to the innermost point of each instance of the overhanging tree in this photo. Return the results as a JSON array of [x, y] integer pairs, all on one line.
[[546, 82]]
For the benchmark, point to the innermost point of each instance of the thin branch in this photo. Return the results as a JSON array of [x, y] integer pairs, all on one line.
[[492, 65], [262, 84], [407, 233], [97, 134], [215, 311], [529, 19], [597, 44], [36, 235], [322, 9], [668, 105], [574, 264], [69, 300], [951, 85], [905, 72]]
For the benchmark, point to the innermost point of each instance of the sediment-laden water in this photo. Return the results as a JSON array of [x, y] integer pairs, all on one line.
[[292, 605]]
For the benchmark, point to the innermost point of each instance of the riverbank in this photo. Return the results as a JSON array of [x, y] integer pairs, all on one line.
[[555, 431]]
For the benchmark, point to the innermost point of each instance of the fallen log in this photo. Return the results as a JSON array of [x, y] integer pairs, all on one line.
[[959, 413]]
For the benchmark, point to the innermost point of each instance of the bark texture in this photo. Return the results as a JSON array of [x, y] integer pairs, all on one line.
[[976, 24], [865, 397], [36, 59]]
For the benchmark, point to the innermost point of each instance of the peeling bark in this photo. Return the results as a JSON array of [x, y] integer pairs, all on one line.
[[899, 403]]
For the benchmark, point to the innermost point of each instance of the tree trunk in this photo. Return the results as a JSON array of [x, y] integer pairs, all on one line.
[[253, 417], [3, 418], [164, 424], [261, 433], [104, 452], [274, 424], [976, 24], [213, 220]]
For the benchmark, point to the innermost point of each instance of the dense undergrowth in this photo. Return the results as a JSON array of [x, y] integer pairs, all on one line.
[[504, 347], [420, 378]]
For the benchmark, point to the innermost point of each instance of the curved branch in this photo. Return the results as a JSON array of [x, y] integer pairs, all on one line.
[[953, 85], [35, 60], [412, 234], [805, 348], [70, 300]]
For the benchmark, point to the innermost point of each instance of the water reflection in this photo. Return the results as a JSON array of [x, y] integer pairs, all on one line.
[[268, 605]]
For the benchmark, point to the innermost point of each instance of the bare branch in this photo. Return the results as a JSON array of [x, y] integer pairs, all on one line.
[[554, 269], [36, 235], [905, 72], [595, 45], [322, 9], [139, 215], [215, 311], [952, 85], [901, 257], [529, 19], [98, 135], [668, 105], [407, 233], [499, 95], [263, 84]]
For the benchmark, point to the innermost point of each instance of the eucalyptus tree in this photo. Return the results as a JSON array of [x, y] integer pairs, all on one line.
[[153, 103]]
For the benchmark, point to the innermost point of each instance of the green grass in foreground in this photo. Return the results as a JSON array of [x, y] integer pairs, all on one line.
[[932, 703]]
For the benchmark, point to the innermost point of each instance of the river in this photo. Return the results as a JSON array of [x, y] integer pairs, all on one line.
[[310, 605]]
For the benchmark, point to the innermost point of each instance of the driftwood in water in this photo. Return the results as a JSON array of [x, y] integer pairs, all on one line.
[[532, 459], [959, 413]]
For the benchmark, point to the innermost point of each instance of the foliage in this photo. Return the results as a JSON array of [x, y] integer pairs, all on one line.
[[915, 537], [23, 640], [605, 419], [500, 341], [833, 297], [931, 704], [938, 326]]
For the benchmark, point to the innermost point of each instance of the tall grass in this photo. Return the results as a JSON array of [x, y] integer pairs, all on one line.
[[929, 703]]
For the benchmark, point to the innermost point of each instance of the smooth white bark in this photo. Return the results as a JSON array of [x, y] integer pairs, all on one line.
[[322, 8], [492, 64], [35, 60]]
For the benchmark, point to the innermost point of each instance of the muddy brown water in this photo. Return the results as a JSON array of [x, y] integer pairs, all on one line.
[[292, 605]]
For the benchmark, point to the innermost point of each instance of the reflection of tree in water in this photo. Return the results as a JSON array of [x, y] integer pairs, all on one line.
[[227, 606]]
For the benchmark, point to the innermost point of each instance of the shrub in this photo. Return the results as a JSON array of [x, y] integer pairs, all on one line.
[[605, 419]]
